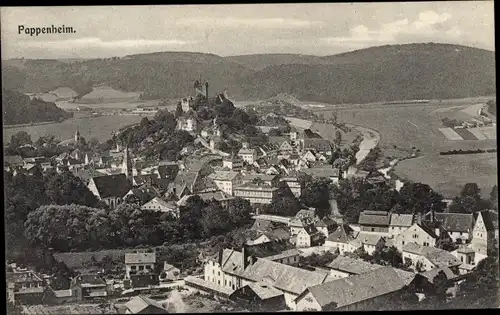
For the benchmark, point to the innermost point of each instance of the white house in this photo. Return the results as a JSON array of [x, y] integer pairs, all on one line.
[[247, 154], [419, 234], [399, 223], [343, 266], [341, 239], [139, 261], [226, 180], [428, 257], [160, 205]]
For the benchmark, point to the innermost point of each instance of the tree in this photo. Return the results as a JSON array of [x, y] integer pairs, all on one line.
[[387, 256], [190, 215], [275, 132], [239, 211], [214, 219], [338, 138], [494, 197], [144, 122], [469, 200], [317, 194], [420, 198], [178, 110], [65, 189], [284, 202], [20, 138]]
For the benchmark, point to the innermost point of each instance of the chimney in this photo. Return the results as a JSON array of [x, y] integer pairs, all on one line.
[[244, 256]]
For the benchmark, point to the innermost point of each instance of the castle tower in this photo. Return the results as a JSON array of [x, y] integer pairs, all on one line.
[[127, 164], [77, 135]]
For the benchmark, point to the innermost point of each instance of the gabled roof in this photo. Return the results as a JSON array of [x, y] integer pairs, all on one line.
[[405, 220], [262, 225], [144, 194], [217, 195], [438, 257], [13, 160], [431, 274], [490, 219], [168, 171], [456, 222], [380, 218], [343, 234], [160, 202], [144, 179], [139, 303], [357, 288], [352, 266], [369, 238], [19, 277], [112, 185], [223, 175], [264, 291], [283, 277], [263, 177], [140, 258], [89, 279]]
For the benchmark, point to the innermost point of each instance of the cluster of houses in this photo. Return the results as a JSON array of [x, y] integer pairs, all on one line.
[[143, 273], [276, 282]]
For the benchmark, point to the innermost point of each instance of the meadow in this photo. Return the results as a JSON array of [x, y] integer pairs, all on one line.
[[99, 127], [417, 126]]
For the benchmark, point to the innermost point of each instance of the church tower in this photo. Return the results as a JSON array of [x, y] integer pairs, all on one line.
[[127, 164]]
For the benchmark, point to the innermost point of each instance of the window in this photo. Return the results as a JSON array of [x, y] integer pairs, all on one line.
[[213, 271], [462, 258], [403, 242], [218, 282], [225, 282], [373, 229], [218, 273], [141, 267], [134, 267]]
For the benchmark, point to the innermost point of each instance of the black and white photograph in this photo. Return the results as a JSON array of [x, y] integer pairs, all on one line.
[[265, 157]]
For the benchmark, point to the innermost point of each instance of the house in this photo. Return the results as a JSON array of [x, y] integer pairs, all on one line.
[[293, 182], [399, 223], [24, 287], [325, 226], [310, 140], [256, 193], [427, 258], [374, 221], [142, 195], [167, 170], [247, 154], [418, 233], [144, 279], [270, 180], [12, 161], [289, 257], [160, 205], [371, 290], [259, 297], [278, 233], [326, 171], [226, 180], [143, 305], [88, 286], [342, 267], [458, 225], [309, 155], [231, 270], [218, 195], [169, 272], [232, 162], [144, 179], [187, 122], [341, 238], [485, 233], [139, 261], [309, 236], [370, 241], [110, 188], [467, 257]]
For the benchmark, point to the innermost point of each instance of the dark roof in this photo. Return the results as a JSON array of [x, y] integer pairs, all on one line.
[[381, 218], [168, 171], [308, 133], [352, 266], [144, 194], [343, 234], [428, 229], [317, 144], [91, 279], [431, 274], [112, 185], [361, 287], [140, 303], [263, 225], [145, 178], [13, 160], [456, 222]]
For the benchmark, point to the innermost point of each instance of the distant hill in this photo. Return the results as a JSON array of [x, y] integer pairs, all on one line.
[[385, 73], [261, 61], [19, 109]]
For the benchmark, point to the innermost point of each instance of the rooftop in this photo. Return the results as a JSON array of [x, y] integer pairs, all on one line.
[[380, 218], [140, 258], [139, 303], [438, 257], [223, 175], [405, 220], [352, 266]]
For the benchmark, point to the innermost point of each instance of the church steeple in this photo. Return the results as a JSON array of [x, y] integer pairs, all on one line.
[[127, 164]]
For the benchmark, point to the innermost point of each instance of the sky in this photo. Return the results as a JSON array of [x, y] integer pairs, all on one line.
[[316, 29]]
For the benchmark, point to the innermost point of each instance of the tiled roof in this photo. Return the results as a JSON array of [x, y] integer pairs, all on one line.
[[140, 258], [305, 213], [13, 160], [405, 220], [436, 256], [217, 195], [431, 274], [285, 254], [456, 222], [264, 291], [369, 238], [112, 185], [264, 177], [262, 225], [139, 303], [380, 218], [283, 277], [357, 288], [490, 219], [352, 266], [279, 233], [144, 194], [343, 234], [168, 170], [89, 279], [223, 175], [145, 178], [26, 276], [208, 284]]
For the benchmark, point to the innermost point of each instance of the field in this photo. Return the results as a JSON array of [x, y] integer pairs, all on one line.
[[107, 105], [103, 94], [418, 126], [99, 127]]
